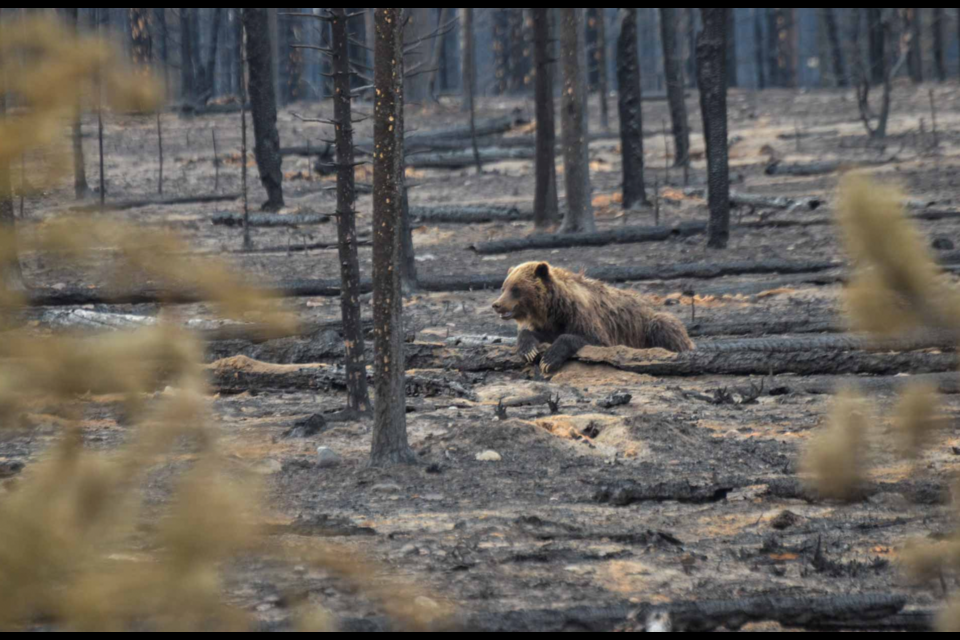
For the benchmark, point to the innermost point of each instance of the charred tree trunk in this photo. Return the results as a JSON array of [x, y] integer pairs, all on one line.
[[435, 62], [188, 89], [417, 33], [519, 62], [937, 26], [80, 187], [358, 399], [263, 105], [501, 50], [160, 15], [692, 47], [390, 422], [631, 118], [545, 207], [470, 80], [877, 45], [914, 61], [674, 80], [773, 47], [732, 48], [758, 47], [711, 63], [833, 36], [601, 56], [207, 91], [579, 216]]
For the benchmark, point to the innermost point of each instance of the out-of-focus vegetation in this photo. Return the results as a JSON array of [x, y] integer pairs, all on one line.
[[895, 287], [79, 548]]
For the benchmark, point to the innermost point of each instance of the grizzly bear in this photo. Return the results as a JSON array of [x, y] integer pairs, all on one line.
[[569, 311]]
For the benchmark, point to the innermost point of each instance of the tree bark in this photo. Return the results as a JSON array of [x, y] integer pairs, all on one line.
[[207, 91], [877, 45], [692, 47], [188, 89], [937, 27], [358, 399], [631, 117], [519, 61], [914, 59], [390, 423], [416, 32], [732, 48], [602, 88], [675, 93], [579, 216], [80, 186], [438, 46], [470, 81], [263, 105], [545, 206], [758, 57], [773, 47], [711, 64], [833, 36]]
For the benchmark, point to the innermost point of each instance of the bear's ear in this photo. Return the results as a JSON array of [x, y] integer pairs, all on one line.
[[510, 270], [542, 271]]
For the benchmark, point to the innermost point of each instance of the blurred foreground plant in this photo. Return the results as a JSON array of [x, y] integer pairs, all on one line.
[[895, 287]]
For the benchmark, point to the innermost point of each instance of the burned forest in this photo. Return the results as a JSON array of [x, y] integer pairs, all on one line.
[[483, 319]]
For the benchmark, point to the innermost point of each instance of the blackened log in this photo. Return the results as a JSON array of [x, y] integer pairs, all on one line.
[[623, 235], [469, 214], [270, 220], [121, 205], [860, 611], [466, 158], [624, 493]]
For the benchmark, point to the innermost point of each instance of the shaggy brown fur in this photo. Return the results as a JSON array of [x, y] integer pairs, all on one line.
[[569, 310]]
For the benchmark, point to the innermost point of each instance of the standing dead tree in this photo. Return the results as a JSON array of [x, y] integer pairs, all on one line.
[[836, 52], [711, 70], [206, 80], [911, 20], [579, 215], [188, 89], [630, 109], [470, 80], [937, 27], [674, 78], [758, 47], [864, 80], [877, 45], [390, 444], [601, 58], [263, 105], [545, 208], [80, 187]]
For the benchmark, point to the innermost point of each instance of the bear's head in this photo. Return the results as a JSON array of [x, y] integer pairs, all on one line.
[[524, 293]]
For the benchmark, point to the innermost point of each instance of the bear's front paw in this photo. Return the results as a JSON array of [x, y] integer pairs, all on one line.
[[528, 348], [553, 359]]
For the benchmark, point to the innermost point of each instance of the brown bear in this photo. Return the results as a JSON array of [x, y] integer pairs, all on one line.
[[569, 311]]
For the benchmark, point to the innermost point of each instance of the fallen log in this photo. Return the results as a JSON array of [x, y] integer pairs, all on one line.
[[298, 248], [947, 383], [738, 199], [270, 219], [861, 611], [466, 158], [622, 235], [778, 168], [626, 492], [793, 135], [420, 140], [121, 205], [240, 373], [470, 214], [309, 150]]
